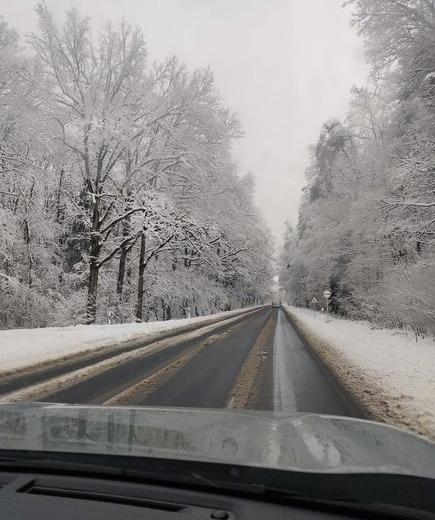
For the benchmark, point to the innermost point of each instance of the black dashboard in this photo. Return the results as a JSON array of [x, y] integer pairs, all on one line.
[[26, 496]]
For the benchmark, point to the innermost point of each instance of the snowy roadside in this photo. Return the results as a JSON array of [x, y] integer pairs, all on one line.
[[389, 374], [21, 348]]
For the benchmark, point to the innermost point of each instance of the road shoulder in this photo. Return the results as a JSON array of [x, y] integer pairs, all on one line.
[[368, 390]]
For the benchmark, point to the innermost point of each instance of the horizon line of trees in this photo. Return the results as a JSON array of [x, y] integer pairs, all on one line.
[[119, 197]]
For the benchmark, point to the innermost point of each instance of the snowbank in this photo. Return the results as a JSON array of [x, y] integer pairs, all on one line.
[[386, 370], [20, 348]]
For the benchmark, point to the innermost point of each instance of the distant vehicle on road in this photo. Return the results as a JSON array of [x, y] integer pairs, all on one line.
[[276, 303]]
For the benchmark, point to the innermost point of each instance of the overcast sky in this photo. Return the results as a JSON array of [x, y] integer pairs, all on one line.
[[284, 66]]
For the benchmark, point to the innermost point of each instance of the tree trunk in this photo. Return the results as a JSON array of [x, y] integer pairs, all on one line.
[[124, 251], [94, 267], [59, 194], [139, 305], [121, 271], [91, 308], [27, 240]]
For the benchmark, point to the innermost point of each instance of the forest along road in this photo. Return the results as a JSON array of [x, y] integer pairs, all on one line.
[[255, 361]]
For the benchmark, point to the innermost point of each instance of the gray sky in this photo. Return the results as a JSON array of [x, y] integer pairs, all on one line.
[[284, 66]]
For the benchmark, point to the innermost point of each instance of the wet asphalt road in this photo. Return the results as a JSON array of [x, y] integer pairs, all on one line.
[[209, 378], [102, 387], [291, 379], [19, 380], [301, 382]]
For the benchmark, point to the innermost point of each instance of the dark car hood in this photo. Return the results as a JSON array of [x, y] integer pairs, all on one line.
[[304, 442]]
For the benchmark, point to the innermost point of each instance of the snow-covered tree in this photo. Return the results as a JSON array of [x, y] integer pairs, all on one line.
[[367, 218], [119, 198]]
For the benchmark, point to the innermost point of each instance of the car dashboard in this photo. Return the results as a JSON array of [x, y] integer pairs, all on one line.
[[26, 496]]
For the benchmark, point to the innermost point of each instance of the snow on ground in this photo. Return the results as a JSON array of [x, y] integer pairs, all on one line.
[[386, 370], [20, 348]]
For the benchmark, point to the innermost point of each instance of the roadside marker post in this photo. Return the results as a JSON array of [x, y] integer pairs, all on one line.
[[314, 301], [327, 294]]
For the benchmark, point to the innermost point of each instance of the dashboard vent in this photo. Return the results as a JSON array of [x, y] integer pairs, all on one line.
[[103, 497], [115, 493]]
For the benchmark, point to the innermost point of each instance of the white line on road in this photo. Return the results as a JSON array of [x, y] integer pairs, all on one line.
[[284, 399]]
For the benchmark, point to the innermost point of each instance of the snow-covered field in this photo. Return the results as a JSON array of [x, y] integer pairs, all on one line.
[[386, 370], [21, 348]]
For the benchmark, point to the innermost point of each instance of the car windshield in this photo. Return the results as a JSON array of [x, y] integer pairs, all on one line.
[[217, 225]]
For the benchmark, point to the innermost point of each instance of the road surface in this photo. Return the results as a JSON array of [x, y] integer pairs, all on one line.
[[256, 360]]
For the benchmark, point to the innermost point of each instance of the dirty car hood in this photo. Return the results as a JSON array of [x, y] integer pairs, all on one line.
[[302, 442]]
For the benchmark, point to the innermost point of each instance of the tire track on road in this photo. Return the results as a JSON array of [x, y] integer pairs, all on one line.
[[85, 385], [251, 389], [147, 386], [50, 369], [209, 376], [302, 382]]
